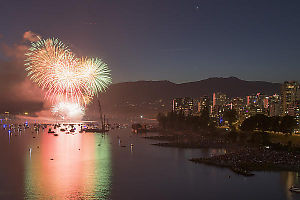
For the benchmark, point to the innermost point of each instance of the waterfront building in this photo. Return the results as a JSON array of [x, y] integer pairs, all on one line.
[[219, 100], [204, 102], [220, 103], [256, 104], [251, 99], [239, 105], [185, 105]]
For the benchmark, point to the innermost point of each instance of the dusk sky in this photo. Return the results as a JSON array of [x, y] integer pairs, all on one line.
[[176, 40]]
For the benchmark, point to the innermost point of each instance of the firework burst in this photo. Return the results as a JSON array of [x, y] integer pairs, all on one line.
[[95, 75], [63, 76]]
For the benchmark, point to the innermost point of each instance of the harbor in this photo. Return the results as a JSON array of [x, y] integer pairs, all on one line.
[[108, 166]]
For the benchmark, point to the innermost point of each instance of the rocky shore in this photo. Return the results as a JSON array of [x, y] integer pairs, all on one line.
[[240, 158], [218, 144], [243, 155], [246, 160]]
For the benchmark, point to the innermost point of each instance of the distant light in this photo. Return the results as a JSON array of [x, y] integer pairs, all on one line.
[[141, 116], [25, 113]]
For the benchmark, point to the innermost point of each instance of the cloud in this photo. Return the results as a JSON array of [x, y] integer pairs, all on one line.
[[18, 93], [16, 51], [31, 36]]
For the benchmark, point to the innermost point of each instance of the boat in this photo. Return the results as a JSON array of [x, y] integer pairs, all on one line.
[[295, 189], [50, 131], [55, 134], [62, 129], [94, 130]]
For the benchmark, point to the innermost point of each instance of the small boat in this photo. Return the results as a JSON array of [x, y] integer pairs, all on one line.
[[62, 129], [295, 189], [55, 134], [50, 131], [72, 130], [95, 130]]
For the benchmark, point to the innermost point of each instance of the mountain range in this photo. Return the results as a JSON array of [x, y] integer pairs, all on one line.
[[144, 95]]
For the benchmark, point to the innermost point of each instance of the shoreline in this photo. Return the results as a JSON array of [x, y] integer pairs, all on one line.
[[245, 161], [241, 158]]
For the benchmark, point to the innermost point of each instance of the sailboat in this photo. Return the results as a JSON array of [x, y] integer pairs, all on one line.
[[103, 124]]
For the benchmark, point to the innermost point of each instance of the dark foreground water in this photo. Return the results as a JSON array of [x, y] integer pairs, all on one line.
[[90, 166]]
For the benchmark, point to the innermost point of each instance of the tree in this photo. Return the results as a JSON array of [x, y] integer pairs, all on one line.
[[204, 118], [249, 124], [263, 122], [162, 120], [171, 120], [275, 123], [260, 122], [231, 116], [288, 124]]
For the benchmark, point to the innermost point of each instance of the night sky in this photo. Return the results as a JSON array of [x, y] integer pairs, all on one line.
[[176, 40]]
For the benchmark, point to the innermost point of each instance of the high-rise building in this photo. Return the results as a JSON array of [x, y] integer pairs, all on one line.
[[257, 104], [219, 99], [185, 105], [220, 104], [290, 95], [290, 100], [274, 105], [297, 113], [203, 102]]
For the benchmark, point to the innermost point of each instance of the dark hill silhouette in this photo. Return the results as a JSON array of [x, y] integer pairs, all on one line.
[[140, 94]]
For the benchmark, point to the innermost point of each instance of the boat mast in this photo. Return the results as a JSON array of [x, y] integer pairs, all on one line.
[[100, 112], [103, 125]]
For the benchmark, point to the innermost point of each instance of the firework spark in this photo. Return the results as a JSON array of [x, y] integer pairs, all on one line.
[[67, 110]]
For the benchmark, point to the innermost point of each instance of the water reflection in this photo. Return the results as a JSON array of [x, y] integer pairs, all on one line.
[[69, 167], [287, 180]]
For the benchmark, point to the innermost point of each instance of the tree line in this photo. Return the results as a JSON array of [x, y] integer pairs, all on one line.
[[179, 121], [258, 122]]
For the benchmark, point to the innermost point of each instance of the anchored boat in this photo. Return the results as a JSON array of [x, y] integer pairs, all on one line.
[[295, 189]]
